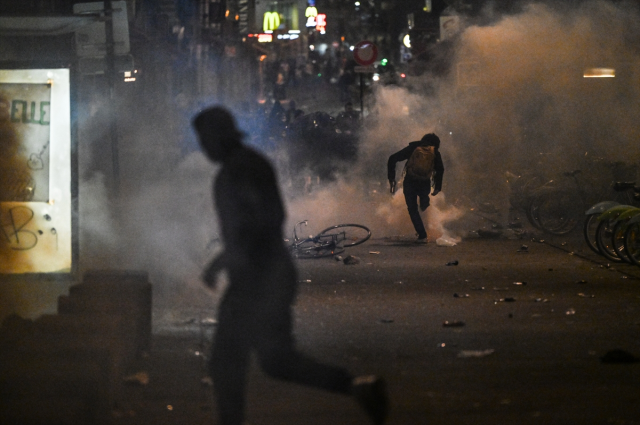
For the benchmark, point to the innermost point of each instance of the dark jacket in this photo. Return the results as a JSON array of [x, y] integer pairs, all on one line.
[[404, 154]]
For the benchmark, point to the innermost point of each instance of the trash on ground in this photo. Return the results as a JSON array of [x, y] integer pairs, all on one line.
[[350, 260], [619, 356], [374, 252], [519, 283], [478, 288], [453, 324], [386, 320], [507, 300], [139, 378], [452, 263], [208, 321], [489, 234], [585, 296], [524, 249], [541, 300], [456, 295], [581, 281], [307, 281], [475, 353], [447, 241], [570, 312]]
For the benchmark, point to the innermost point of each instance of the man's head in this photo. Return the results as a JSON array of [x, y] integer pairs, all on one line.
[[217, 132], [432, 140]]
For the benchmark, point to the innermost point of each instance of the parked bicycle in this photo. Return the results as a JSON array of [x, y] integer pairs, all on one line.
[[558, 206], [331, 241]]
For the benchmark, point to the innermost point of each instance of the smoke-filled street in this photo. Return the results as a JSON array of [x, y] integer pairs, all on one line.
[[535, 328]]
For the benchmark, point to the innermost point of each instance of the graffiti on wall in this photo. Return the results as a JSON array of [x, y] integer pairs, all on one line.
[[27, 108]]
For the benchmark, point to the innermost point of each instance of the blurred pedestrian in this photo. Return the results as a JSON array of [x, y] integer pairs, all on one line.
[[255, 312], [424, 169], [348, 120], [292, 112]]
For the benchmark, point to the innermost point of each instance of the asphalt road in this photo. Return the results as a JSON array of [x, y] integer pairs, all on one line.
[[536, 325]]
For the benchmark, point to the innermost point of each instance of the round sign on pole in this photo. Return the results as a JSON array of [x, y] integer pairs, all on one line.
[[365, 53]]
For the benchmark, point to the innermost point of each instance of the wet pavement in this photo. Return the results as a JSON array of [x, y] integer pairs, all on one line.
[[508, 335]]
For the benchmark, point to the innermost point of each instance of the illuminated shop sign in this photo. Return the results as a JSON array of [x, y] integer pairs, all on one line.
[[271, 21], [310, 13], [35, 171], [321, 23]]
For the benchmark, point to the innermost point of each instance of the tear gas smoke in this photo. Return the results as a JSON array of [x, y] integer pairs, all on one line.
[[514, 99]]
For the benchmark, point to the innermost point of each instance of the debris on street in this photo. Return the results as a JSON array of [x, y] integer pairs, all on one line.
[[456, 295], [489, 234], [351, 260], [618, 356], [523, 249], [452, 263], [475, 353], [446, 241], [139, 378], [585, 296], [453, 324]]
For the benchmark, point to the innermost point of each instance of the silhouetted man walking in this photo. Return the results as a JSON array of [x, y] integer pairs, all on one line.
[[255, 313]]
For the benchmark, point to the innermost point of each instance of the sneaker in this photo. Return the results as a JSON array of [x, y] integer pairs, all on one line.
[[371, 393], [421, 240]]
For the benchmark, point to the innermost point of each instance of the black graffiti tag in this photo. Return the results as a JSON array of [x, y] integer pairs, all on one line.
[[13, 224]]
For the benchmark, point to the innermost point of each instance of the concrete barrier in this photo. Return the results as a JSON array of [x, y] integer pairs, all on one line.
[[124, 293]]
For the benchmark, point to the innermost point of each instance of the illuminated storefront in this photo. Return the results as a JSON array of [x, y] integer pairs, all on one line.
[[35, 177]]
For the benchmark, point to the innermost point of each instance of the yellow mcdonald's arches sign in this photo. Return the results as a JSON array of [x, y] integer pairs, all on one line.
[[311, 12], [271, 21]]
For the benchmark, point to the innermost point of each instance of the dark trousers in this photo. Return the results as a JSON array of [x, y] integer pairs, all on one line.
[[417, 194], [262, 324]]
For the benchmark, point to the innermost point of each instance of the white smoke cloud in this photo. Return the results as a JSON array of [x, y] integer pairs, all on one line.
[[514, 99]]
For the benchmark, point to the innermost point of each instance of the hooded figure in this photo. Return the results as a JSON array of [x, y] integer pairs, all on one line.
[[416, 190]]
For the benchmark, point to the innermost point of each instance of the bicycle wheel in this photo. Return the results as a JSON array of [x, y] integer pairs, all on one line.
[[347, 234], [603, 241], [312, 249], [589, 231], [632, 243], [556, 212], [617, 240]]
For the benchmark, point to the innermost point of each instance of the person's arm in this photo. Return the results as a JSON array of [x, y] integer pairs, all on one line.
[[438, 168], [401, 155], [211, 271]]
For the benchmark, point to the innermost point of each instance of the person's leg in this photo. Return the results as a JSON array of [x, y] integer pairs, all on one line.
[[411, 193], [279, 358], [228, 363], [423, 194]]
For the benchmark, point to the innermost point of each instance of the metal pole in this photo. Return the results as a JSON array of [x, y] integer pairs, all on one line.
[[110, 73], [361, 97]]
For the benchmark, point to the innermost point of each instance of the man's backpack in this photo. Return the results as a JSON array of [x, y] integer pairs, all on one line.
[[420, 164]]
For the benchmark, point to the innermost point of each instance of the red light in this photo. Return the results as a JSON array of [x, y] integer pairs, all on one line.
[[403, 75]]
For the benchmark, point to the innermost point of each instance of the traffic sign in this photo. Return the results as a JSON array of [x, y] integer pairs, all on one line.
[[364, 69], [365, 53]]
